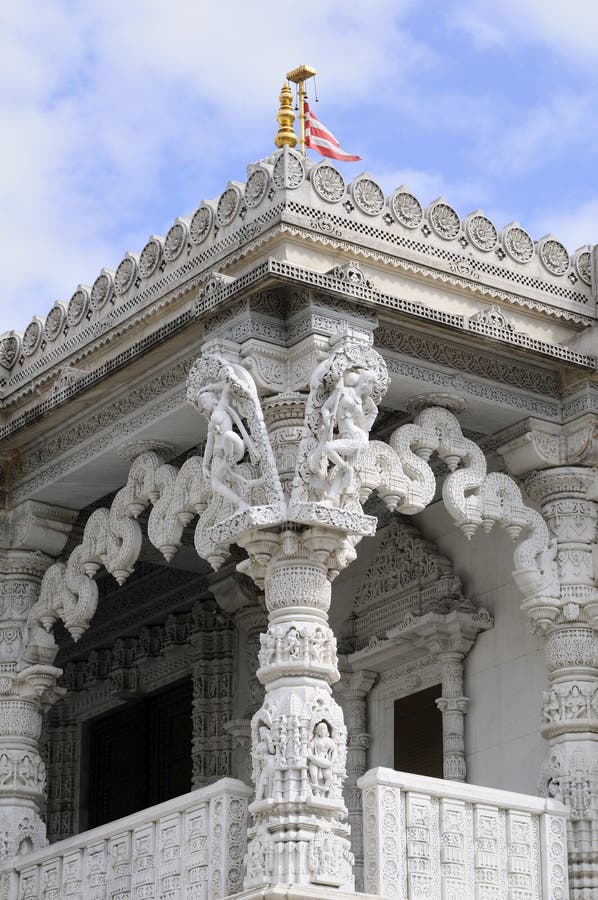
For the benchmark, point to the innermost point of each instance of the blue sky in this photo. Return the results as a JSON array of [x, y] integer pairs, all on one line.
[[118, 116]]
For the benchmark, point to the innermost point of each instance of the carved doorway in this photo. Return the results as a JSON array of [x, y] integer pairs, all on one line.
[[140, 754]]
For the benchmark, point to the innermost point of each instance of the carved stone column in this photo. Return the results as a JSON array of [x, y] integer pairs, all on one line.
[[250, 621], [63, 747], [559, 464], [212, 673], [298, 516], [29, 534], [570, 709], [352, 692], [453, 706], [298, 736]]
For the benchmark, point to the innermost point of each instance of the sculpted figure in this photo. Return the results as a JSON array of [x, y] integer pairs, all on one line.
[[552, 707], [225, 447], [320, 759], [575, 703], [268, 642], [265, 752], [6, 769], [26, 771], [347, 417], [238, 457], [317, 646], [293, 644]]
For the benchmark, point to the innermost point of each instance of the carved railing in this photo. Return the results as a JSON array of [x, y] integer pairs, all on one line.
[[191, 846], [426, 837]]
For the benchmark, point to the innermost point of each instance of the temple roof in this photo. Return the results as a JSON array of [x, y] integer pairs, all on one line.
[[286, 197]]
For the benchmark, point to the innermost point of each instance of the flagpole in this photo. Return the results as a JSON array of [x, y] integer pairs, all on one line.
[[299, 76]]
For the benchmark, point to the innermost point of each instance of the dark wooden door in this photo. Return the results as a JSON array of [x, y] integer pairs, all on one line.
[[170, 727], [418, 733], [140, 754]]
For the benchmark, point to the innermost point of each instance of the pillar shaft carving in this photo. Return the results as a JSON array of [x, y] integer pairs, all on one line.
[[352, 691], [62, 753], [212, 674], [453, 706], [28, 535], [567, 497]]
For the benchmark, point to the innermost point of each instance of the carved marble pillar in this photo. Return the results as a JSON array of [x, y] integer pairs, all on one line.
[[62, 753], [299, 739], [570, 710], [560, 468], [250, 622], [29, 535], [453, 706], [352, 691], [212, 673]]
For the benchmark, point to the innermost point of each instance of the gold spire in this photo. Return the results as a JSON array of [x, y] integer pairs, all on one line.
[[285, 118]]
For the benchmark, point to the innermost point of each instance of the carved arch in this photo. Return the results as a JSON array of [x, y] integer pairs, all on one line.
[[401, 474], [399, 471], [112, 538]]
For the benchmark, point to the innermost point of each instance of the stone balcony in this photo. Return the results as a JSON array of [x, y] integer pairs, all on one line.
[[427, 837], [192, 847], [423, 837]]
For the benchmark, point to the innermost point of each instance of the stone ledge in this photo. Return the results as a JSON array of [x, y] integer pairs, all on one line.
[[301, 892]]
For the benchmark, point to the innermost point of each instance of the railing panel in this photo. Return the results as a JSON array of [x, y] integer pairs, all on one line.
[[442, 840], [189, 848]]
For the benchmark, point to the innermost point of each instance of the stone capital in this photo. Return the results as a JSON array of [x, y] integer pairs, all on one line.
[[560, 482], [36, 526], [534, 444], [23, 565], [355, 685], [233, 592]]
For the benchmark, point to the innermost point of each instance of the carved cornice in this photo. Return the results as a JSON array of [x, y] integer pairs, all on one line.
[[473, 361], [81, 439], [222, 291], [26, 564]]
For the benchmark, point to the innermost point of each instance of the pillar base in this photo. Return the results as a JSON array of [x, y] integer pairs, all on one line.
[[301, 892]]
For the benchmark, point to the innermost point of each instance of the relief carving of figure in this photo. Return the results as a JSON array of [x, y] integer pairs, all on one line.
[[225, 447], [268, 642], [26, 771], [347, 417], [317, 646], [320, 760], [551, 707], [575, 703], [345, 390], [265, 753], [6, 769], [238, 458], [293, 644]]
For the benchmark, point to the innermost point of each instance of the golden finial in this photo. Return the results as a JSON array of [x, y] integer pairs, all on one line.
[[299, 76], [285, 118]]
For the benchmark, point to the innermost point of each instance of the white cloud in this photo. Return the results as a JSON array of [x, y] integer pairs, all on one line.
[[568, 29], [538, 136], [465, 195], [574, 227]]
